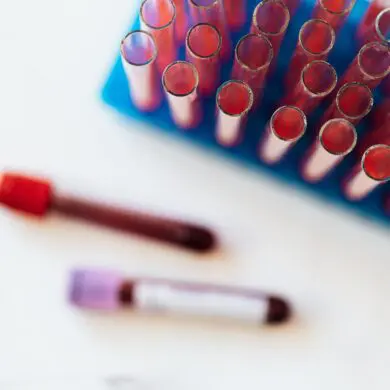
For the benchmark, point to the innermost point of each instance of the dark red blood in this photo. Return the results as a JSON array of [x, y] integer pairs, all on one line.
[[288, 123], [338, 138], [377, 163], [234, 98]]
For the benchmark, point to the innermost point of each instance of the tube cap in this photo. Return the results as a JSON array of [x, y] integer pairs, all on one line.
[[95, 289]]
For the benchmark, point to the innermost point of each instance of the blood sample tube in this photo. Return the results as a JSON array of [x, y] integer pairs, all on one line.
[[379, 30], [287, 125], [336, 140], [110, 291], [335, 12], [373, 171], [158, 18], [234, 101], [318, 80], [316, 40], [212, 12], [253, 56], [271, 18], [371, 65], [139, 52], [38, 197], [180, 81], [372, 12], [181, 20], [205, 55], [353, 102], [235, 12]]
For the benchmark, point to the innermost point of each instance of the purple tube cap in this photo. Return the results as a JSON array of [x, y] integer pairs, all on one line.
[[94, 289]]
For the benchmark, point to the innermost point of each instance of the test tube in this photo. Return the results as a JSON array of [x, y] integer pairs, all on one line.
[[318, 80], [235, 12], [205, 55], [337, 138], [316, 39], [371, 65], [212, 12], [373, 171], [181, 20], [138, 53], [287, 125], [353, 102], [372, 12], [234, 101], [253, 56], [180, 80], [335, 12], [271, 18], [379, 30], [158, 18]]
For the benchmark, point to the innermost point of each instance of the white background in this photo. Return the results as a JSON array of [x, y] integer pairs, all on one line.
[[333, 266]]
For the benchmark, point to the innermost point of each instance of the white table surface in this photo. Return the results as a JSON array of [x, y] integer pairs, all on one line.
[[332, 265]]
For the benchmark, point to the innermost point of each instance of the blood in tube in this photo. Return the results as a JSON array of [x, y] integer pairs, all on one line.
[[287, 126], [212, 12], [158, 18], [203, 46], [353, 102], [234, 101], [379, 30], [180, 81], [335, 12], [371, 65], [372, 12], [336, 140], [235, 12], [318, 80], [271, 18], [253, 56], [110, 291], [139, 53], [316, 39], [373, 171]]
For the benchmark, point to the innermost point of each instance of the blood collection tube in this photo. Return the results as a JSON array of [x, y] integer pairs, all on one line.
[[373, 171], [371, 65], [39, 198], [212, 12], [180, 81], [353, 102], [372, 12], [139, 52], [271, 18], [318, 80], [158, 18], [234, 101], [379, 30], [235, 12], [316, 39], [335, 12], [205, 55], [105, 290], [336, 140], [181, 20], [253, 56], [287, 125]]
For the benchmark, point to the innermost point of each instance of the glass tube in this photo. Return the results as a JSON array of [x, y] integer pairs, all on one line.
[[234, 101], [271, 18], [138, 53], [287, 125], [373, 171], [316, 40], [335, 12], [379, 30], [158, 18], [353, 102], [235, 12], [318, 80], [205, 55], [181, 21], [253, 56], [372, 12], [337, 138], [371, 65], [212, 12], [180, 81]]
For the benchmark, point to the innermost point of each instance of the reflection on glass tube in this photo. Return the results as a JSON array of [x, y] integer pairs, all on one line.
[[335, 12]]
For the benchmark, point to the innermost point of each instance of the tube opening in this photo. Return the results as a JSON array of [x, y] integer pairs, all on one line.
[[338, 137], [317, 37], [374, 60], [138, 48], [376, 162], [234, 98], [158, 14], [319, 78], [271, 17], [354, 100], [204, 41], [180, 78], [288, 123]]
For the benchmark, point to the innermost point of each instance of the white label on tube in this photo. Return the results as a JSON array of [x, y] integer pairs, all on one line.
[[170, 299]]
